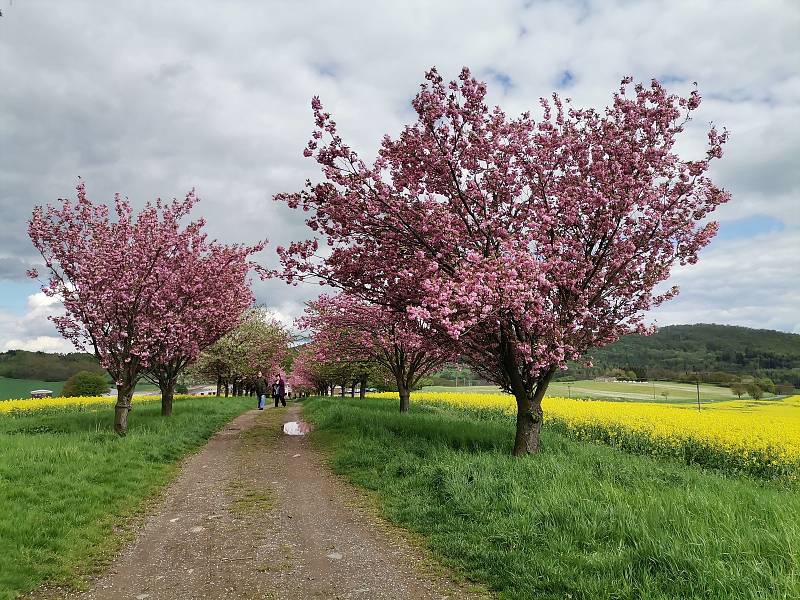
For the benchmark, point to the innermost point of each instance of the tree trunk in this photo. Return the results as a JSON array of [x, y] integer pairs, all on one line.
[[362, 387], [530, 417], [122, 408], [353, 389], [405, 394], [529, 425], [227, 388], [341, 393], [219, 385], [167, 394]]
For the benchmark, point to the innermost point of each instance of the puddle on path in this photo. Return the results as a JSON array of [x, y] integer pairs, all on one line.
[[296, 428]]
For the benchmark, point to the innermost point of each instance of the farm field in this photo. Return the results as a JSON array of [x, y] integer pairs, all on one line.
[[760, 438], [580, 520], [69, 484], [21, 388], [651, 391]]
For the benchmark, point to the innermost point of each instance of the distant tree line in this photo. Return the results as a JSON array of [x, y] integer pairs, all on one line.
[[21, 364], [718, 353]]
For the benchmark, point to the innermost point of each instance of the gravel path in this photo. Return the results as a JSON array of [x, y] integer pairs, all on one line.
[[257, 514]]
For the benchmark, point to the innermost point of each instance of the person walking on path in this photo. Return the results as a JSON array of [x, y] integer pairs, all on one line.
[[261, 390], [279, 391]]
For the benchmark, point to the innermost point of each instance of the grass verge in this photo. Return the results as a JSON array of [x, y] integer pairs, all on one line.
[[579, 521], [69, 486]]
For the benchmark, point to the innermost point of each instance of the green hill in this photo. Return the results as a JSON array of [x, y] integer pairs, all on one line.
[[681, 349], [43, 366]]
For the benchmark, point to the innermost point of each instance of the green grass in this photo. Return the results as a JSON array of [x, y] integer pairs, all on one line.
[[67, 483], [22, 388], [651, 391], [579, 521]]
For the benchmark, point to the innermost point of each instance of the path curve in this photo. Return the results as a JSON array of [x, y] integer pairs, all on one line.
[[257, 514]]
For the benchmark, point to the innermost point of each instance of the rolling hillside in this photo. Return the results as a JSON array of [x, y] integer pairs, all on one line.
[[44, 366], [702, 347]]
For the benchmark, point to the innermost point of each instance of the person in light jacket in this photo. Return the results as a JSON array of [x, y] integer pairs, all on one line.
[[261, 390]]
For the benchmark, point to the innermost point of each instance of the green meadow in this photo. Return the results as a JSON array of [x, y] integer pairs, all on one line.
[[579, 521]]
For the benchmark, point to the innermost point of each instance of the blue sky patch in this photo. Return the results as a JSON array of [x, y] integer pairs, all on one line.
[[566, 78], [14, 295], [749, 227], [504, 79]]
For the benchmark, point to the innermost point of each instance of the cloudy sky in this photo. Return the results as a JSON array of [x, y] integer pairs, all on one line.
[[153, 98]]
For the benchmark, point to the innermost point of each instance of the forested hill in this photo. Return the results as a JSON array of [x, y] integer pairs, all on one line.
[[692, 348], [673, 351], [43, 366]]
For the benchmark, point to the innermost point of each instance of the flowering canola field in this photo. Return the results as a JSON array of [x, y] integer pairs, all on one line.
[[39, 404], [759, 438]]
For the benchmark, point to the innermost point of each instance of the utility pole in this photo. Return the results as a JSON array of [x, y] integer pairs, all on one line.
[[697, 381]]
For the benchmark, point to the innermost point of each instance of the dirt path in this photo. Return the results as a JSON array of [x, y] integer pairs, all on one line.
[[256, 514]]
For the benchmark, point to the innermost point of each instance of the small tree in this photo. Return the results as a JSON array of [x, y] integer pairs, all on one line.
[[766, 384], [754, 390], [347, 329], [85, 383], [257, 343], [738, 389]]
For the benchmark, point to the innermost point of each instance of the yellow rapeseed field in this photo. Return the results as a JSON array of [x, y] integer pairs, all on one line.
[[37, 404], [757, 437]]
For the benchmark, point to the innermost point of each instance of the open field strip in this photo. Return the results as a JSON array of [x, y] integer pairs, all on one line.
[[760, 438], [28, 405], [646, 391], [22, 388]]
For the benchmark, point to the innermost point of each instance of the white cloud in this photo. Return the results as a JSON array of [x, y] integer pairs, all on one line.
[[153, 99], [33, 330], [750, 282], [40, 344]]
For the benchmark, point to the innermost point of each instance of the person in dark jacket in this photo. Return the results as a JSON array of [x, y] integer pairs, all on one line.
[[279, 391], [261, 390]]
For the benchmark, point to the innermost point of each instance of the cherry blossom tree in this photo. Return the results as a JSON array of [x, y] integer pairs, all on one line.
[[257, 343], [347, 329], [320, 371], [120, 281], [523, 242], [304, 378], [209, 292]]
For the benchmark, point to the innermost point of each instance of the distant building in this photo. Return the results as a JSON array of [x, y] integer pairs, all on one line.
[[605, 379], [42, 394]]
